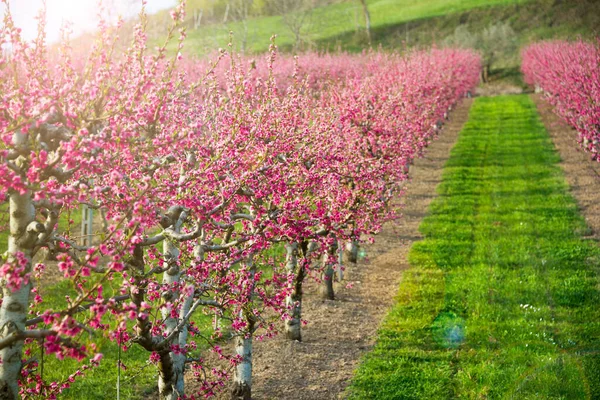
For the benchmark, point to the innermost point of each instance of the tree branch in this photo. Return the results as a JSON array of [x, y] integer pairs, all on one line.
[[184, 321], [117, 299]]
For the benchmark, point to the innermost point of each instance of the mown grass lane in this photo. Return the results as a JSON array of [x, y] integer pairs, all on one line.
[[501, 301]]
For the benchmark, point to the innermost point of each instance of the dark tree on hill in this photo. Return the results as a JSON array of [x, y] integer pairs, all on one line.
[[367, 16], [494, 42]]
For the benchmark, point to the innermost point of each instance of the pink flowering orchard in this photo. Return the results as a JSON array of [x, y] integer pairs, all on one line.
[[223, 185], [569, 75]]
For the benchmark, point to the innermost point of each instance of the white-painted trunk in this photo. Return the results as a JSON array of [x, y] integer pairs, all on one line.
[[242, 375], [13, 312], [242, 378], [367, 16], [340, 266], [170, 374], [87, 225], [166, 389], [179, 359], [171, 276], [171, 385], [328, 272], [293, 301], [198, 18], [352, 251]]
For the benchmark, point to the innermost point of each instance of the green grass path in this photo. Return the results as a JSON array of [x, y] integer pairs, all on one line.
[[502, 298]]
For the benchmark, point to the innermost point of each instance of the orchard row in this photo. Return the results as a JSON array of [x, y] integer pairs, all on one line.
[[569, 74], [205, 173]]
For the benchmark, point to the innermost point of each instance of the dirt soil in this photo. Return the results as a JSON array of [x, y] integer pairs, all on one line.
[[340, 332], [581, 172]]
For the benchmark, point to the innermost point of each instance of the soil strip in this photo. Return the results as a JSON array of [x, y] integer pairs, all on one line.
[[581, 172]]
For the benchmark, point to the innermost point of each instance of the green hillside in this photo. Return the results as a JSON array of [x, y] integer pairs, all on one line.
[[325, 26], [396, 23]]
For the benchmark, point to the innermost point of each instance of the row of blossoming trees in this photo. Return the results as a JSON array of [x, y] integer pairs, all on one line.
[[202, 170], [569, 75]]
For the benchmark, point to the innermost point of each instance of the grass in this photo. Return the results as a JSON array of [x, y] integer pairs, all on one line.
[[101, 382], [501, 298], [98, 383], [139, 379]]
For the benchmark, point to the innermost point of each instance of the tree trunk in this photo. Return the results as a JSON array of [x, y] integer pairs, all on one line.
[[15, 304], [87, 225], [226, 13], [352, 251], [327, 291], [242, 375], [297, 40], [340, 269], [244, 35], [171, 367], [329, 259], [367, 19], [177, 381], [485, 73], [198, 18], [166, 377], [293, 326]]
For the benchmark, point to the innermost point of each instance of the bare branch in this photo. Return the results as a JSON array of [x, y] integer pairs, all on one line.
[[243, 216], [72, 244], [182, 237], [16, 336], [221, 247]]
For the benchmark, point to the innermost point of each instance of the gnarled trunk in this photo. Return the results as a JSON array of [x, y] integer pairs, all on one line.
[[15, 304], [167, 377], [171, 384], [171, 366]]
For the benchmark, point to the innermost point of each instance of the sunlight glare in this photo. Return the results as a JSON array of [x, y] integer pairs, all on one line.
[[80, 15]]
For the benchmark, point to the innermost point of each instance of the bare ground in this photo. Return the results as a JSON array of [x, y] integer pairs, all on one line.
[[340, 332], [581, 172]]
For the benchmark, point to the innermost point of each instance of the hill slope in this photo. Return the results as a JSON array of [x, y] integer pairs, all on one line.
[[396, 23]]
